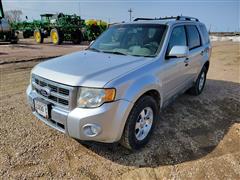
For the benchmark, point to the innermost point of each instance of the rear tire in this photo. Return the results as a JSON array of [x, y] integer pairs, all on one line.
[[15, 41], [77, 37], [38, 36], [198, 86], [139, 126], [56, 37]]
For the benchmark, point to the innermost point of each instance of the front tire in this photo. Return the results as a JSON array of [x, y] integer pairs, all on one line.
[[140, 123], [77, 37], [38, 36], [56, 37], [198, 86]]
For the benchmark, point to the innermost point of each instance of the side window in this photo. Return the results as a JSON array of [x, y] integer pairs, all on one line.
[[205, 34], [193, 37], [178, 38]]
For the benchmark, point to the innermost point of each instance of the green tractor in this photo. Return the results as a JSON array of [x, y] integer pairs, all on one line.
[[35, 27], [59, 27], [42, 27]]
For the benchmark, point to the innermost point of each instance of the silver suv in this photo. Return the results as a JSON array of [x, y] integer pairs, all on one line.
[[114, 90]]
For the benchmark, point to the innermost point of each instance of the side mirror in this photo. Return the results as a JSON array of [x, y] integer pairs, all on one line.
[[178, 52]]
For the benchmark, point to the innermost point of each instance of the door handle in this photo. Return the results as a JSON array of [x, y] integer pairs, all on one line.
[[186, 61], [202, 53]]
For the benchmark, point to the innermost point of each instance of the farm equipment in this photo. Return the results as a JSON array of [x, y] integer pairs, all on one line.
[[61, 27], [66, 28], [26, 28], [6, 32], [42, 28], [94, 28]]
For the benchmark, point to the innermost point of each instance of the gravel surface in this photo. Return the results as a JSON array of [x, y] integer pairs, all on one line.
[[197, 137]]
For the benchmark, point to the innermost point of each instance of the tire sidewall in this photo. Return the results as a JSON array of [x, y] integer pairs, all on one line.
[[41, 36], [204, 70], [147, 101], [59, 35]]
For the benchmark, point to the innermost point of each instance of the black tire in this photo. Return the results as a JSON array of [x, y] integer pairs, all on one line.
[[38, 36], [14, 41], [26, 34], [129, 139], [197, 89], [58, 34], [77, 37]]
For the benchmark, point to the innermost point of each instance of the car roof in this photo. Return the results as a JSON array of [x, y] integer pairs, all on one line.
[[166, 20]]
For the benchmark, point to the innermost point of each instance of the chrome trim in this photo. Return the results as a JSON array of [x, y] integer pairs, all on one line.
[[51, 101], [51, 93], [70, 98]]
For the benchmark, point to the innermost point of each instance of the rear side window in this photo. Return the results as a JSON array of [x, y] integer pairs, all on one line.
[[178, 38], [193, 37], [205, 34]]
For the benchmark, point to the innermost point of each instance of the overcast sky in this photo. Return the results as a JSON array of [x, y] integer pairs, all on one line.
[[221, 15]]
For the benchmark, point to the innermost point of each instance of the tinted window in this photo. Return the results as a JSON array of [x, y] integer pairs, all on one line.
[[178, 38], [193, 37], [205, 34]]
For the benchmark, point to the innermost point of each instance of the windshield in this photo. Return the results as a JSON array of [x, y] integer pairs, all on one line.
[[131, 39]]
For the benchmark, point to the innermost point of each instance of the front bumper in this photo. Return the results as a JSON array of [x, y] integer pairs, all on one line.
[[110, 118]]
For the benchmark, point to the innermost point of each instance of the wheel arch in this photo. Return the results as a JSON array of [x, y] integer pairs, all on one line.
[[206, 64], [146, 85], [154, 93]]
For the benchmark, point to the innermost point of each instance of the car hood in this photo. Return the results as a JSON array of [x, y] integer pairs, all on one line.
[[88, 68]]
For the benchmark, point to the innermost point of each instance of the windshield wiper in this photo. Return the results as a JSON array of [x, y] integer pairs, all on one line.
[[143, 55], [115, 52], [94, 49]]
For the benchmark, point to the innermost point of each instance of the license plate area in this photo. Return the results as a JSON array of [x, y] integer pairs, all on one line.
[[42, 107]]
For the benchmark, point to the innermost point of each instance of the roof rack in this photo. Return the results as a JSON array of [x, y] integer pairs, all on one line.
[[184, 18]]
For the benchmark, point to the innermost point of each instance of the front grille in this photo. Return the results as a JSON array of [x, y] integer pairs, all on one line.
[[59, 94]]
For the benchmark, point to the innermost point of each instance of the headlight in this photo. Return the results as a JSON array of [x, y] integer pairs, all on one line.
[[94, 97]]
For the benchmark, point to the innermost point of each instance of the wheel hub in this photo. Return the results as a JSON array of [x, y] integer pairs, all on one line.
[[37, 36], [201, 81], [144, 123], [54, 37]]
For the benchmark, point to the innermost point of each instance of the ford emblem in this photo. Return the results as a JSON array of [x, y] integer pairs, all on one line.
[[45, 91]]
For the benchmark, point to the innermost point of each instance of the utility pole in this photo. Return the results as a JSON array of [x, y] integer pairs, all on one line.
[[79, 7], [130, 14]]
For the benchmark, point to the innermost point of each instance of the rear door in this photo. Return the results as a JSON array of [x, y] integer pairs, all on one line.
[[196, 52]]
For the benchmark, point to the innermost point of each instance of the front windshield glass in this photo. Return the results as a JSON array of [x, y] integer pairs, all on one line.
[[131, 39]]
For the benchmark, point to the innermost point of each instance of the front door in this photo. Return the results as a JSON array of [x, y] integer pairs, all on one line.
[[173, 75]]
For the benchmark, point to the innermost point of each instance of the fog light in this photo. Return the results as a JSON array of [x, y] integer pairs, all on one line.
[[91, 130]]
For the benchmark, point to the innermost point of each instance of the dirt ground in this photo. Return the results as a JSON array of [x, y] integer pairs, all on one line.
[[197, 137]]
